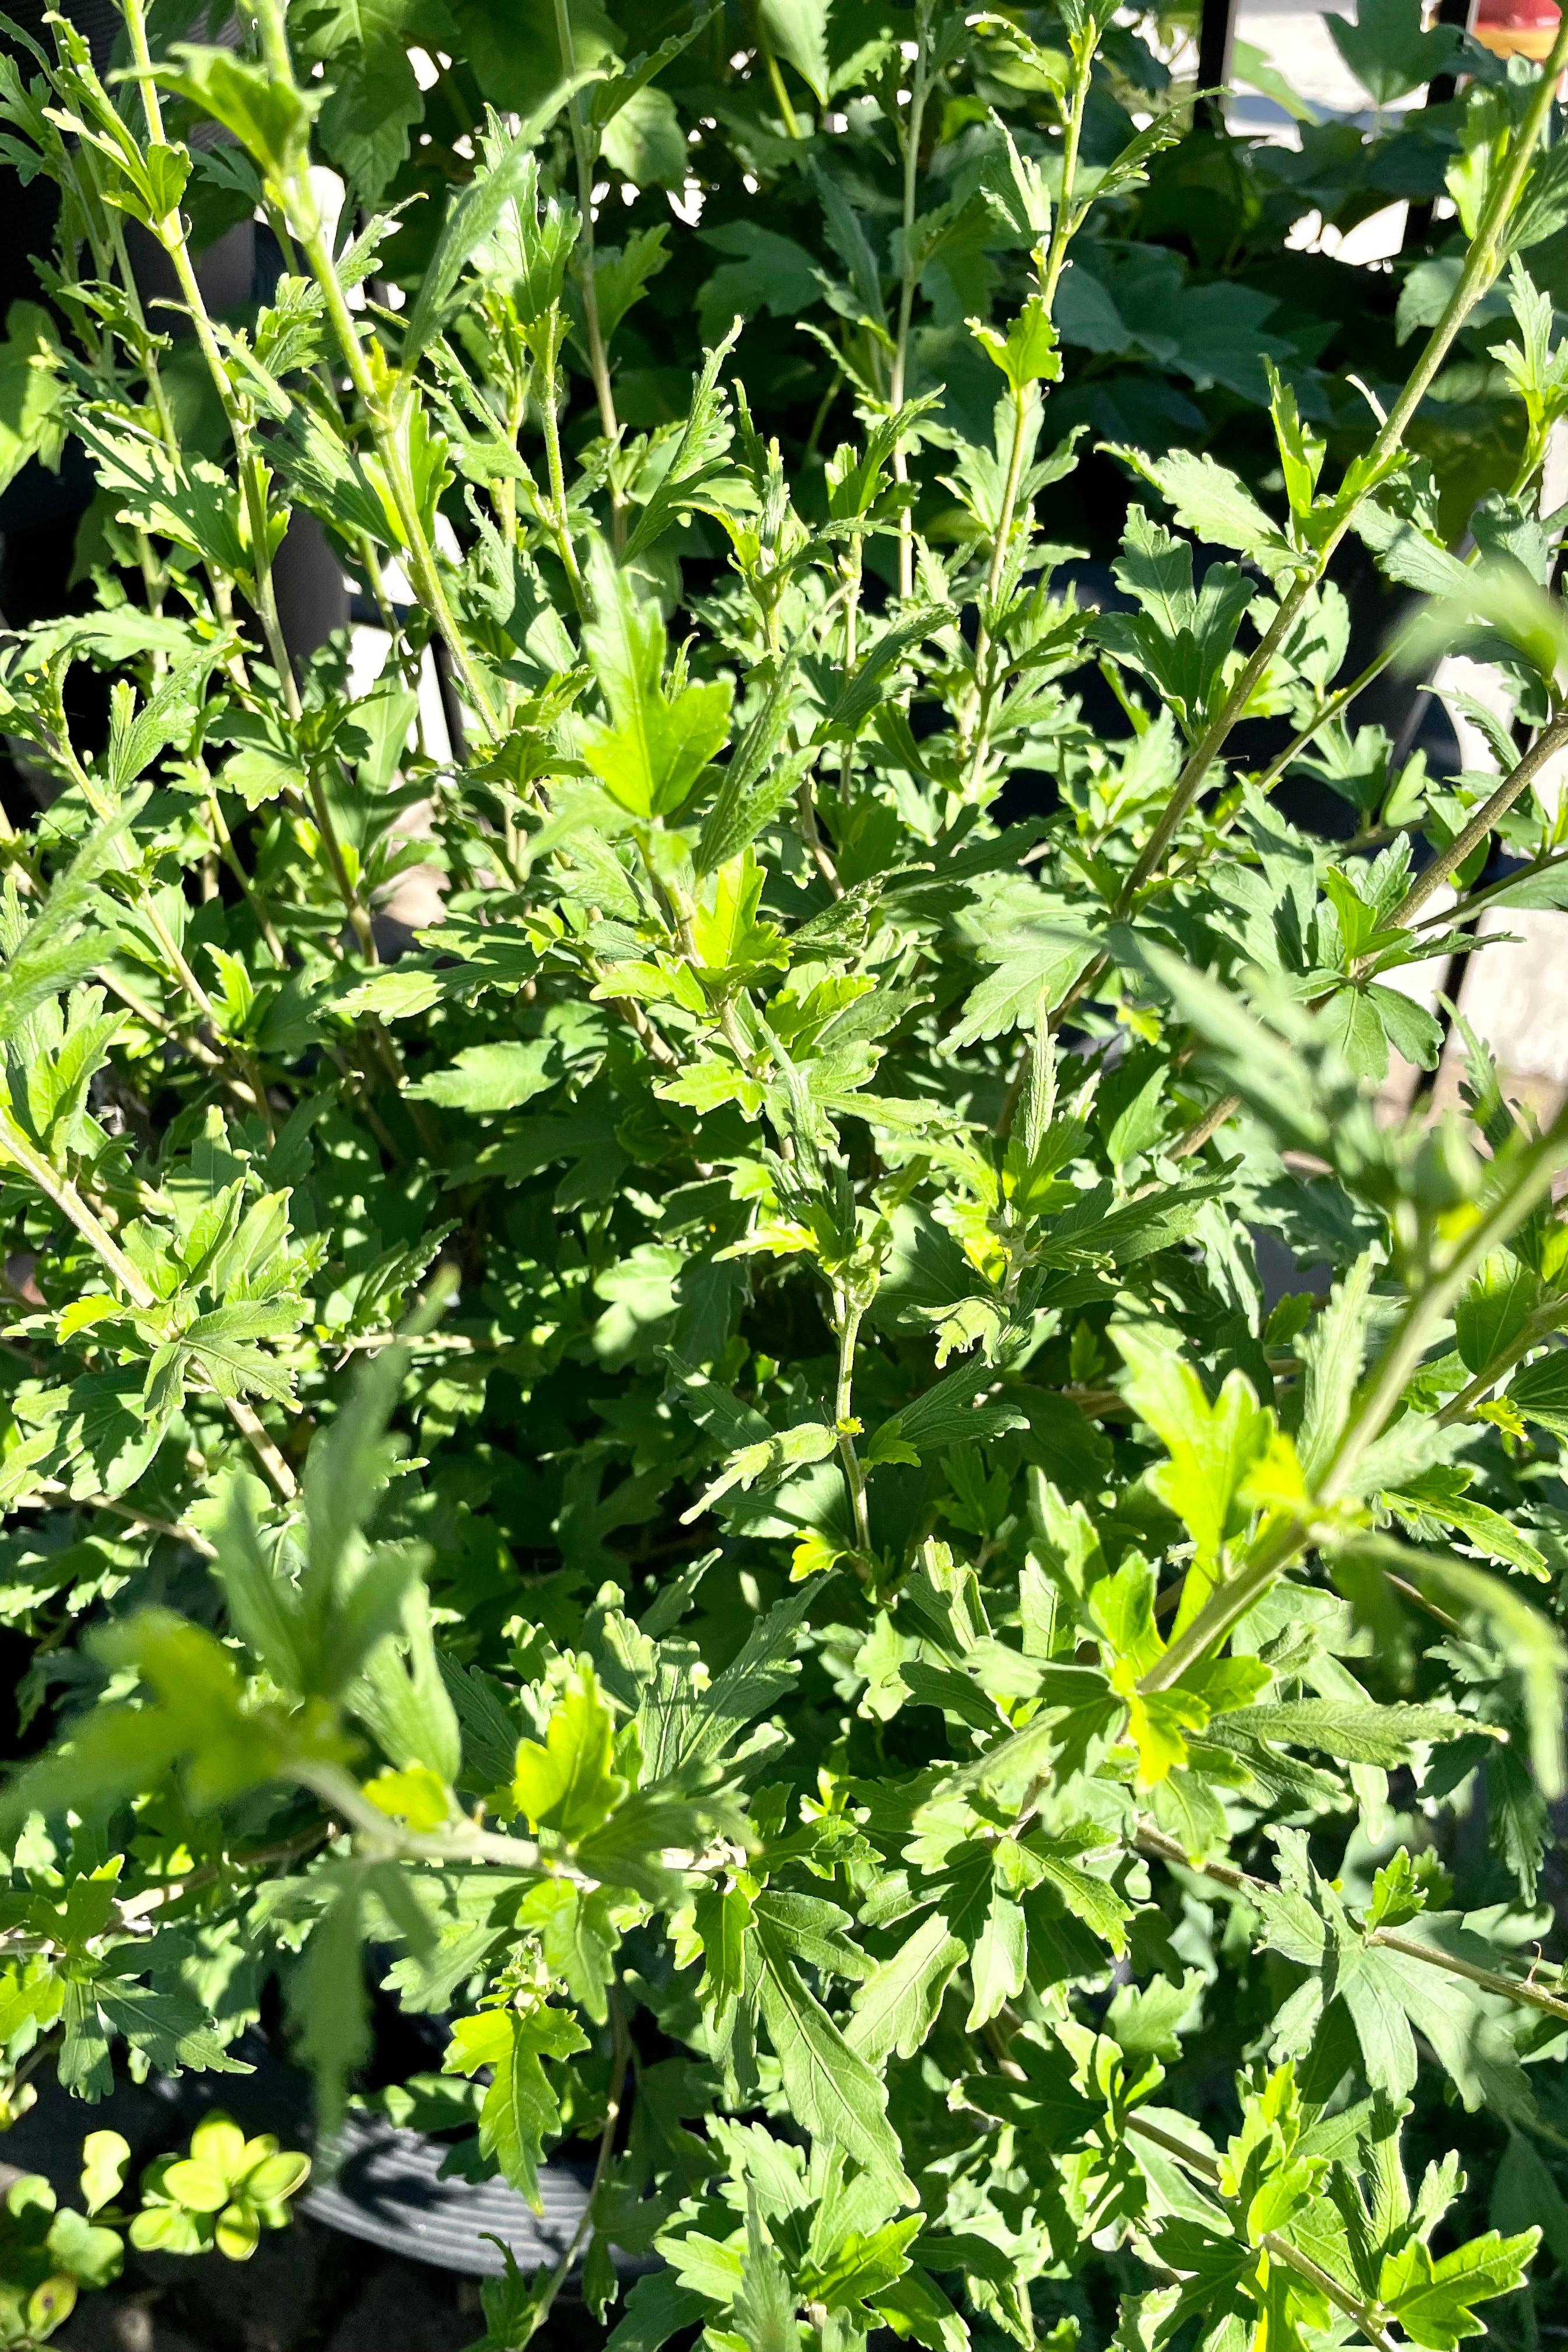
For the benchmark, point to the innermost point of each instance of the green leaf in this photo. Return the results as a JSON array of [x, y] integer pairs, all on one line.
[[1528, 1642], [999, 1962], [797, 29], [104, 2157], [579, 1940], [699, 457], [1208, 499], [492, 1077], [521, 2108], [507, 176], [895, 2007], [1438, 1494], [655, 745], [1212, 1448], [1434, 2302], [1388, 52], [270, 117], [33, 393], [1365, 1735], [1494, 1310], [1029, 352], [831, 2089], [769, 1458], [1539, 1392], [567, 1785], [330, 2002], [644, 140], [657, 2307]]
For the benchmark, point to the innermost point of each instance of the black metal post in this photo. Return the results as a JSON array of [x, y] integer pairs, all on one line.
[[1216, 35], [1440, 90]]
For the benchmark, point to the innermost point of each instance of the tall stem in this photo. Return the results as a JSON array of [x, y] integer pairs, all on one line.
[[253, 475], [598, 362], [849, 1319], [249, 890], [984, 687], [306, 221], [551, 421], [1068, 219], [1432, 876], [920, 87], [1481, 266], [1527, 1185], [422, 565]]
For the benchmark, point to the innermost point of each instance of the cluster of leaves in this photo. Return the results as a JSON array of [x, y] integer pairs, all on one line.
[[700, 1461], [225, 2192]]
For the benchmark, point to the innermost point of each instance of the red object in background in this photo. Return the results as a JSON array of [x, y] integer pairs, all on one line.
[[1516, 28]]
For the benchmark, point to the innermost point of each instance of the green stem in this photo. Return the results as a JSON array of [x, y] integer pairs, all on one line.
[[1278, 2249], [1009, 506], [1528, 1182], [384, 422], [920, 88], [249, 890], [1481, 266], [1474, 902], [849, 1319], [1153, 1842], [422, 567], [1432, 876], [598, 362], [1068, 219], [1226, 1605], [984, 684], [354, 906], [1537, 1327], [622, 2051], [60, 1189], [253, 476], [776, 81], [551, 421], [1330, 709], [1525, 1184]]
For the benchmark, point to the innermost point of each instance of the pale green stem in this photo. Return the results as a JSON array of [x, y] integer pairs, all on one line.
[[776, 81], [551, 421], [1432, 876], [1481, 266], [598, 360], [849, 1318], [1330, 709], [919, 87], [984, 685], [1278, 2248], [171, 234], [1068, 218], [1153, 1842], [1527, 1185]]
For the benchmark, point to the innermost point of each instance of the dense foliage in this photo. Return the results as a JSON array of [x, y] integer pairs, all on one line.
[[694, 1477]]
